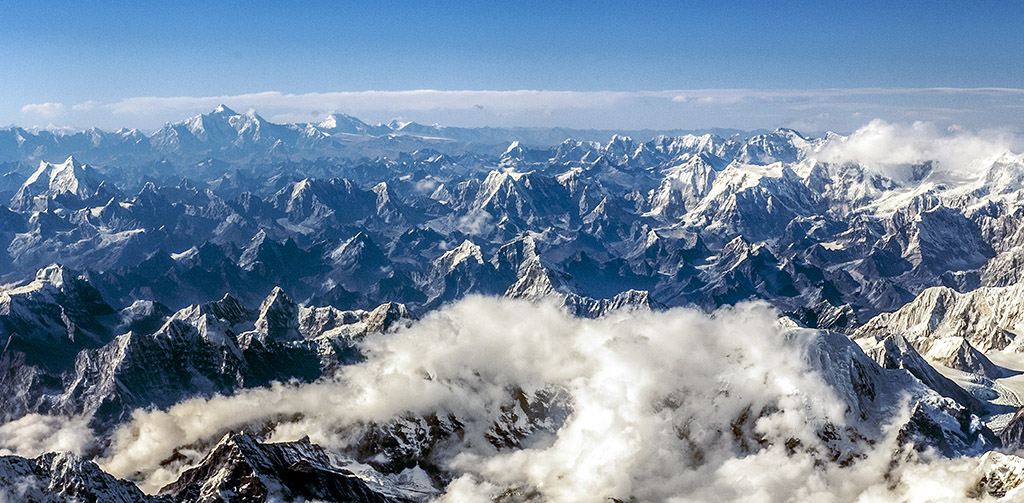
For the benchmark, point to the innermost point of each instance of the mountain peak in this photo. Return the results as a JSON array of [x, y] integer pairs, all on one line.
[[397, 125], [52, 180], [514, 147], [467, 250], [337, 120], [256, 471], [278, 318], [223, 109], [384, 316], [55, 274], [785, 131]]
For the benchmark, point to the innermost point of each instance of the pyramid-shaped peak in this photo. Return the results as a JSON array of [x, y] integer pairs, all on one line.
[[384, 316], [278, 318], [149, 189], [398, 125], [50, 180], [275, 301], [360, 248], [223, 109], [228, 309], [258, 238], [360, 237]]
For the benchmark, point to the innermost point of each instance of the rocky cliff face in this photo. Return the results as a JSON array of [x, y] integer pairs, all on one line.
[[60, 477], [239, 468], [200, 350]]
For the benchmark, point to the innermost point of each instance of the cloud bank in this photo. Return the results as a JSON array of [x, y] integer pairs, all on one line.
[[894, 149], [810, 110], [36, 434], [655, 401], [634, 380]]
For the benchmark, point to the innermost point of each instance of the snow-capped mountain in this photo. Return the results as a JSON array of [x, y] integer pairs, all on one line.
[[225, 255], [226, 134], [199, 350], [239, 468], [69, 184], [986, 318], [58, 477]]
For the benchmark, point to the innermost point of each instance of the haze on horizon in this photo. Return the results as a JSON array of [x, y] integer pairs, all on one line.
[[742, 65]]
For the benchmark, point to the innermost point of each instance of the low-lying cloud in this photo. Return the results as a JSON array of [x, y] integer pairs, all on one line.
[[655, 399], [37, 434], [634, 379], [894, 148]]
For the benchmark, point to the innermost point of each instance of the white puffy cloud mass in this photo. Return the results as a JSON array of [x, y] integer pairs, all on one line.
[[35, 434], [655, 398], [44, 110], [893, 148]]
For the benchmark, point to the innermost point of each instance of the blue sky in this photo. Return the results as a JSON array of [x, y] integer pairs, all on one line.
[[109, 58]]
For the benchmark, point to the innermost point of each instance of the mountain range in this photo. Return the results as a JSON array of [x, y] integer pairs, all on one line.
[[227, 135], [226, 253]]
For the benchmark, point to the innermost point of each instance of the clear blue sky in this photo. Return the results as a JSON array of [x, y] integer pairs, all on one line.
[[71, 53]]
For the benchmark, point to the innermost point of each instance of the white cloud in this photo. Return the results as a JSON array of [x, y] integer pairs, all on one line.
[[893, 148], [658, 109], [36, 434], [21, 489], [636, 380], [475, 223], [44, 110], [654, 398], [515, 100], [736, 95], [86, 106], [416, 100]]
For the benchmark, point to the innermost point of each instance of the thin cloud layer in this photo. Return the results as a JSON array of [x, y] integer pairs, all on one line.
[[422, 99], [811, 110]]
